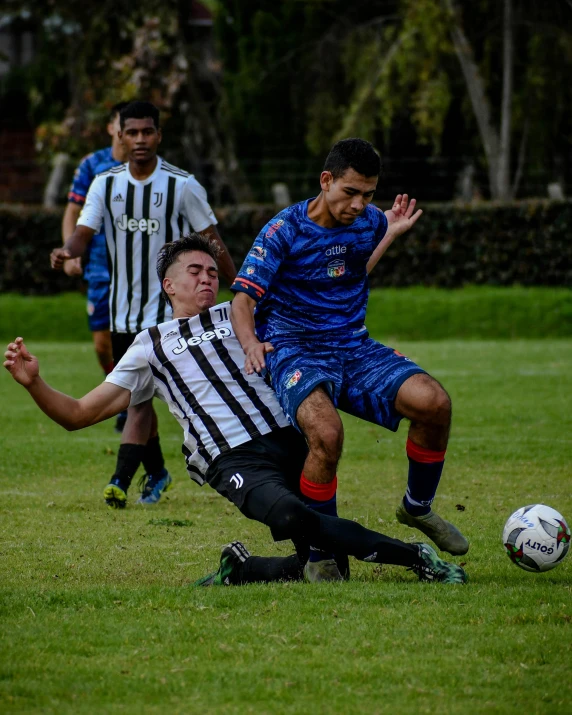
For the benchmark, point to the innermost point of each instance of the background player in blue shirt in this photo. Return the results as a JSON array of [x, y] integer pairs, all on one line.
[[306, 274], [95, 269]]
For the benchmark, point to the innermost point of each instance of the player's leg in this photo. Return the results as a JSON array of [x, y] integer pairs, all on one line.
[[102, 346], [134, 437], [99, 322], [260, 469], [156, 479], [289, 518], [305, 382], [423, 401], [238, 567], [383, 386]]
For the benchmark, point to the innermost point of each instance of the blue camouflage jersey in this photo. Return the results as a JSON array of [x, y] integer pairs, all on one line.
[[95, 259], [310, 282]]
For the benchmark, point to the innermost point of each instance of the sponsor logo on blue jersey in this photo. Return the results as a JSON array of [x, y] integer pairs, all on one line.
[[337, 268]]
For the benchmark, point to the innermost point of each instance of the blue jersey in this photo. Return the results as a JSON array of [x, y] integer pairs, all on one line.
[[311, 282], [95, 260]]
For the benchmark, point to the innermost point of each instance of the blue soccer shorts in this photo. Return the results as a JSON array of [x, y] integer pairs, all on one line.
[[98, 305], [361, 381]]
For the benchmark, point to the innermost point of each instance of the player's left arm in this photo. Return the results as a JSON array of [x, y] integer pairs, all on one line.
[[196, 208], [400, 218], [103, 402]]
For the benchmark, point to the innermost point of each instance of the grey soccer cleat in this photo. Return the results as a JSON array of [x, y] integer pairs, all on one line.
[[447, 537], [432, 568], [324, 570]]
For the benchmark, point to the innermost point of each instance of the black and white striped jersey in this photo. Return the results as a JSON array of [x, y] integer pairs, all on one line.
[[196, 366], [139, 217]]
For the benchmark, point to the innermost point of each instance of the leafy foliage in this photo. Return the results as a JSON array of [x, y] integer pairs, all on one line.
[[525, 243]]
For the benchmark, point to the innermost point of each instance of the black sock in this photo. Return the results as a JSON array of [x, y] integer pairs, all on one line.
[[129, 458], [289, 518], [152, 459], [365, 544], [264, 569]]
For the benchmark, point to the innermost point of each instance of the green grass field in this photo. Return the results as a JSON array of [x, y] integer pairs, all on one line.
[[98, 613]]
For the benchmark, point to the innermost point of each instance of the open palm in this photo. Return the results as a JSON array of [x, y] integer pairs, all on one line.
[[400, 216]]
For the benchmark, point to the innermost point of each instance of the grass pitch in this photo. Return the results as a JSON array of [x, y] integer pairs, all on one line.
[[98, 614]]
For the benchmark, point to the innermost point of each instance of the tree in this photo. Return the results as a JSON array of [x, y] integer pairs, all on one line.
[[410, 61]]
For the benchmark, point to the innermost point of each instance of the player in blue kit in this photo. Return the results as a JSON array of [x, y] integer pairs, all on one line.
[[95, 268], [306, 275]]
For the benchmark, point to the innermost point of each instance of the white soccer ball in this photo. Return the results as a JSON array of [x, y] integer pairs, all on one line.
[[536, 537]]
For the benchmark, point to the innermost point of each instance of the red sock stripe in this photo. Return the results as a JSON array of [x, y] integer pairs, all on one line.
[[318, 492], [424, 455]]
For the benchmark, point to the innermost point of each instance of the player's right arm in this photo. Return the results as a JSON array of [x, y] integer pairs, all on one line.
[[82, 178], [105, 401], [251, 284], [88, 224], [242, 319], [71, 215]]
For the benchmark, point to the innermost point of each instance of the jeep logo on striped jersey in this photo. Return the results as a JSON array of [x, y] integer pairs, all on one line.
[[207, 337], [146, 225]]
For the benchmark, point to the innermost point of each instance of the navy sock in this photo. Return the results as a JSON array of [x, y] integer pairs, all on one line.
[[311, 496], [425, 469]]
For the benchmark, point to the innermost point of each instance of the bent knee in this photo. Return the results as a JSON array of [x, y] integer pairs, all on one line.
[[327, 440], [425, 400], [290, 519]]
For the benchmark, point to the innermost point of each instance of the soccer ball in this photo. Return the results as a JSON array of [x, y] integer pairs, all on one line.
[[536, 538]]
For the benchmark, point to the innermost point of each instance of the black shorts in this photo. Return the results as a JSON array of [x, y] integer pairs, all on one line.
[[272, 464], [120, 344]]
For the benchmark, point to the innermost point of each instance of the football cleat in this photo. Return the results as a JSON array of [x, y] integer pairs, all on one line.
[[152, 487], [115, 495], [324, 570], [232, 557], [447, 537], [432, 568]]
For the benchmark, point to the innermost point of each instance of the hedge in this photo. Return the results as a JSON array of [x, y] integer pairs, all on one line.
[[527, 243]]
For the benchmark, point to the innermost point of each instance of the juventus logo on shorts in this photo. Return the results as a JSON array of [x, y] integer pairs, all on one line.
[[237, 480], [158, 199]]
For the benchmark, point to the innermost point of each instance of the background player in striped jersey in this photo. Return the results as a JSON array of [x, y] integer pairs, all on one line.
[[143, 204], [94, 265], [236, 436], [307, 273]]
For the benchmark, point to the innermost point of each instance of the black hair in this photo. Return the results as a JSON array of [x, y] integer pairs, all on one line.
[[116, 109], [139, 110], [356, 154], [171, 251]]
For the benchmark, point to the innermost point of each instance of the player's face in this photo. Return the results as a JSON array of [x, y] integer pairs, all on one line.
[[114, 127], [348, 195], [192, 281], [141, 139]]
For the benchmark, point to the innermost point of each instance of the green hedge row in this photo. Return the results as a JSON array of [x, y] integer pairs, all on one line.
[[526, 243]]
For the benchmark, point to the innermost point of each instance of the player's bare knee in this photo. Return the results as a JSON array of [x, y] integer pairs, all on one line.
[[326, 444]]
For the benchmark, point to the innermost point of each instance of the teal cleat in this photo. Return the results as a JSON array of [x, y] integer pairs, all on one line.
[[432, 568], [232, 557]]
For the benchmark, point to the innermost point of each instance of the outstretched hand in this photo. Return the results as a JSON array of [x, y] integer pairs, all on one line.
[[255, 357], [23, 366], [400, 217]]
